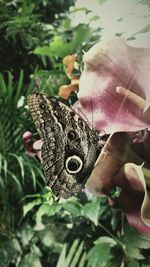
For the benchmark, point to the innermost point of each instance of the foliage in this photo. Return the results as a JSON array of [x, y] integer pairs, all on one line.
[[37, 229], [18, 174], [60, 48], [25, 25], [61, 233]]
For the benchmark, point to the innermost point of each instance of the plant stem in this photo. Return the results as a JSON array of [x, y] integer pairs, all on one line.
[[114, 237]]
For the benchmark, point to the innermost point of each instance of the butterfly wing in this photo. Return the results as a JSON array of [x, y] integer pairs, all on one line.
[[69, 145]]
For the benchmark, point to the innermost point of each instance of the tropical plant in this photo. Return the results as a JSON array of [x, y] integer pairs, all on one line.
[[18, 174], [37, 229], [25, 25]]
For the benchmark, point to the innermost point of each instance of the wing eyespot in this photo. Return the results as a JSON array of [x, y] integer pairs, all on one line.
[[71, 135], [73, 164]]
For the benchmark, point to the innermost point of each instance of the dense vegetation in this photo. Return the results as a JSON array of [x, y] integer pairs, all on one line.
[[35, 228]]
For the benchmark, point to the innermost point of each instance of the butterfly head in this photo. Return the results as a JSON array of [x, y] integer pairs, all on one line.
[[69, 145]]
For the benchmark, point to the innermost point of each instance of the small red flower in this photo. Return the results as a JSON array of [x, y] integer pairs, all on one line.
[[32, 145]]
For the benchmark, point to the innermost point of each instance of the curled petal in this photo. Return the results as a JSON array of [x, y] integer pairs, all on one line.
[[108, 163], [111, 171], [135, 197], [66, 90]]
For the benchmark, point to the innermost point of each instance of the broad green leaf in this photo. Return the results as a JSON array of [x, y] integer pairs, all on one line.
[[60, 48], [48, 237], [26, 235], [133, 242], [101, 254], [28, 207], [91, 210], [73, 206], [48, 210]]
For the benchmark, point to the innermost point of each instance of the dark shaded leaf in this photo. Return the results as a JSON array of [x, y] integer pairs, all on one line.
[[101, 254]]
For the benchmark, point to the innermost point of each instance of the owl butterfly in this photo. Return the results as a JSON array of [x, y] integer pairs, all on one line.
[[69, 148]]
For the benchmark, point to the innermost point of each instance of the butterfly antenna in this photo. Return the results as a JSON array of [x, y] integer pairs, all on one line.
[[84, 116]]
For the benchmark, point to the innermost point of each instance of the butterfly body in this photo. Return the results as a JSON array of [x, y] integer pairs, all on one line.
[[69, 148]]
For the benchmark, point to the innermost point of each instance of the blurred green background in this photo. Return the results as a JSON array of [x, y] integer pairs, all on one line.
[[35, 229]]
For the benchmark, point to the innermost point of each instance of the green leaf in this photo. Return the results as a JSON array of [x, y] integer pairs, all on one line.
[[19, 87], [9, 248], [20, 163], [91, 210], [60, 48], [48, 210], [29, 260], [101, 254], [15, 180], [73, 206], [32, 172], [10, 85], [26, 235], [28, 207], [134, 263], [48, 238], [3, 87], [77, 255], [61, 259], [82, 260], [133, 242]]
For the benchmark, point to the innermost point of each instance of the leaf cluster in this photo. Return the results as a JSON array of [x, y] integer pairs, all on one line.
[[72, 233], [25, 25]]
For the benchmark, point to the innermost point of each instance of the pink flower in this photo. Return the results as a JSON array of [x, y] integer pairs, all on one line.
[[108, 65], [114, 95]]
